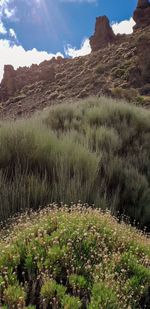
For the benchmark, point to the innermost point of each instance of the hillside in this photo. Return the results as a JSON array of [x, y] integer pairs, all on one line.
[[118, 66], [51, 259]]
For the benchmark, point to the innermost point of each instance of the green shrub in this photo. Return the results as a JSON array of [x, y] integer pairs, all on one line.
[[103, 297], [138, 282], [101, 68], [96, 150], [60, 118], [77, 281], [118, 72], [104, 139], [14, 297], [53, 293], [70, 302], [72, 258], [48, 290], [133, 194], [140, 100], [129, 94]]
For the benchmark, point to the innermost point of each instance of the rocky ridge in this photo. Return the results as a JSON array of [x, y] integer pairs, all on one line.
[[142, 14], [103, 34], [118, 66]]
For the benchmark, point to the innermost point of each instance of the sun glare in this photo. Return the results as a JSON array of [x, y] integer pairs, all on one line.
[[49, 16]]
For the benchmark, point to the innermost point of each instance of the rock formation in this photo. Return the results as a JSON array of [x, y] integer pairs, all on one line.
[[103, 34], [8, 83], [142, 14], [14, 80], [124, 64]]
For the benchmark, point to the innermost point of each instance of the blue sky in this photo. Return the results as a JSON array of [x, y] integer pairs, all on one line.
[[54, 26]]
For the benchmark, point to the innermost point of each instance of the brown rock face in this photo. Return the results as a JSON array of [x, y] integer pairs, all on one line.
[[142, 14], [14, 80], [142, 4], [103, 34], [8, 82]]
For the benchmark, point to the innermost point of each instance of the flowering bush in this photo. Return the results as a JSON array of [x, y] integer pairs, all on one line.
[[73, 257]]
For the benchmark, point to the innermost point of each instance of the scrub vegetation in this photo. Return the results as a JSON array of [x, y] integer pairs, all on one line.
[[51, 259], [95, 150]]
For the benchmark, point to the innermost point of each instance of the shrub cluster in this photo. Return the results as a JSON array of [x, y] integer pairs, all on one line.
[[95, 150], [54, 260], [130, 94]]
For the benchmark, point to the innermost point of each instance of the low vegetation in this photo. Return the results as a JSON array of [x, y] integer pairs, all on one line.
[[95, 150], [130, 95], [51, 259]]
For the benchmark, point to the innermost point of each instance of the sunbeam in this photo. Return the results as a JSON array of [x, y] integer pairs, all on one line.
[[50, 17]]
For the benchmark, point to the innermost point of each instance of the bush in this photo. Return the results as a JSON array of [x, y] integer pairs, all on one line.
[[104, 139], [52, 293], [129, 95], [96, 150], [101, 68], [118, 72], [60, 118], [14, 297], [70, 302], [76, 257], [103, 297], [78, 282]]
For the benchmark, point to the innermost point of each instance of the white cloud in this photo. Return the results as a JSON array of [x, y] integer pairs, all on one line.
[[5, 12], [84, 50], [125, 26], [18, 56], [9, 12], [2, 28], [4, 2], [13, 33], [4, 6]]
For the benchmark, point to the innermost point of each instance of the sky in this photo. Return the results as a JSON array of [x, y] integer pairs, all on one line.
[[34, 30]]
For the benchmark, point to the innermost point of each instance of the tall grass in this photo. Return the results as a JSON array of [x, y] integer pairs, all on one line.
[[96, 150]]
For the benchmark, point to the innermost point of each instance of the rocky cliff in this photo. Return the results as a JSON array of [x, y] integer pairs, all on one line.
[[14, 80], [103, 35], [116, 65], [142, 14]]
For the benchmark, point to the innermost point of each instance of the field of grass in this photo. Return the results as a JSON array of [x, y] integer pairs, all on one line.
[[51, 259], [95, 150]]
